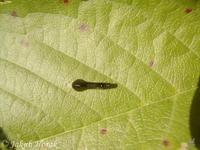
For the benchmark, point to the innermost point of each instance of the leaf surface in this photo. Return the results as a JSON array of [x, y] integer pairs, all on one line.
[[150, 51]]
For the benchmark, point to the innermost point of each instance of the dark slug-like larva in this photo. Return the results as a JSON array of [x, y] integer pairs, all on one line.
[[82, 85]]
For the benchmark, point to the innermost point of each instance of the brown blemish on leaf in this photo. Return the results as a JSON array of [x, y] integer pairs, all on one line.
[[165, 143], [103, 131], [151, 63], [83, 27], [14, 13], [24, 43], [188, 10], [65, 1]]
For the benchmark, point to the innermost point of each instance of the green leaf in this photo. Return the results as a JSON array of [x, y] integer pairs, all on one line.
[[151, 52], [23, 7]]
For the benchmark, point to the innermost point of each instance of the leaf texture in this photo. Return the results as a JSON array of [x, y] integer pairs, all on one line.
[[149, 48]]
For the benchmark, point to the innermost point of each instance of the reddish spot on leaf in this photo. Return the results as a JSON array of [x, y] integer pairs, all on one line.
[[165, 143], [14, 14], [83, 27], [188, 10], [103, 131], [24, 43], [65, 1], [151, 63]]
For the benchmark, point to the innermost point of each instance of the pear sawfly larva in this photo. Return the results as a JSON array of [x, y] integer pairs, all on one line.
[[82, 85]]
